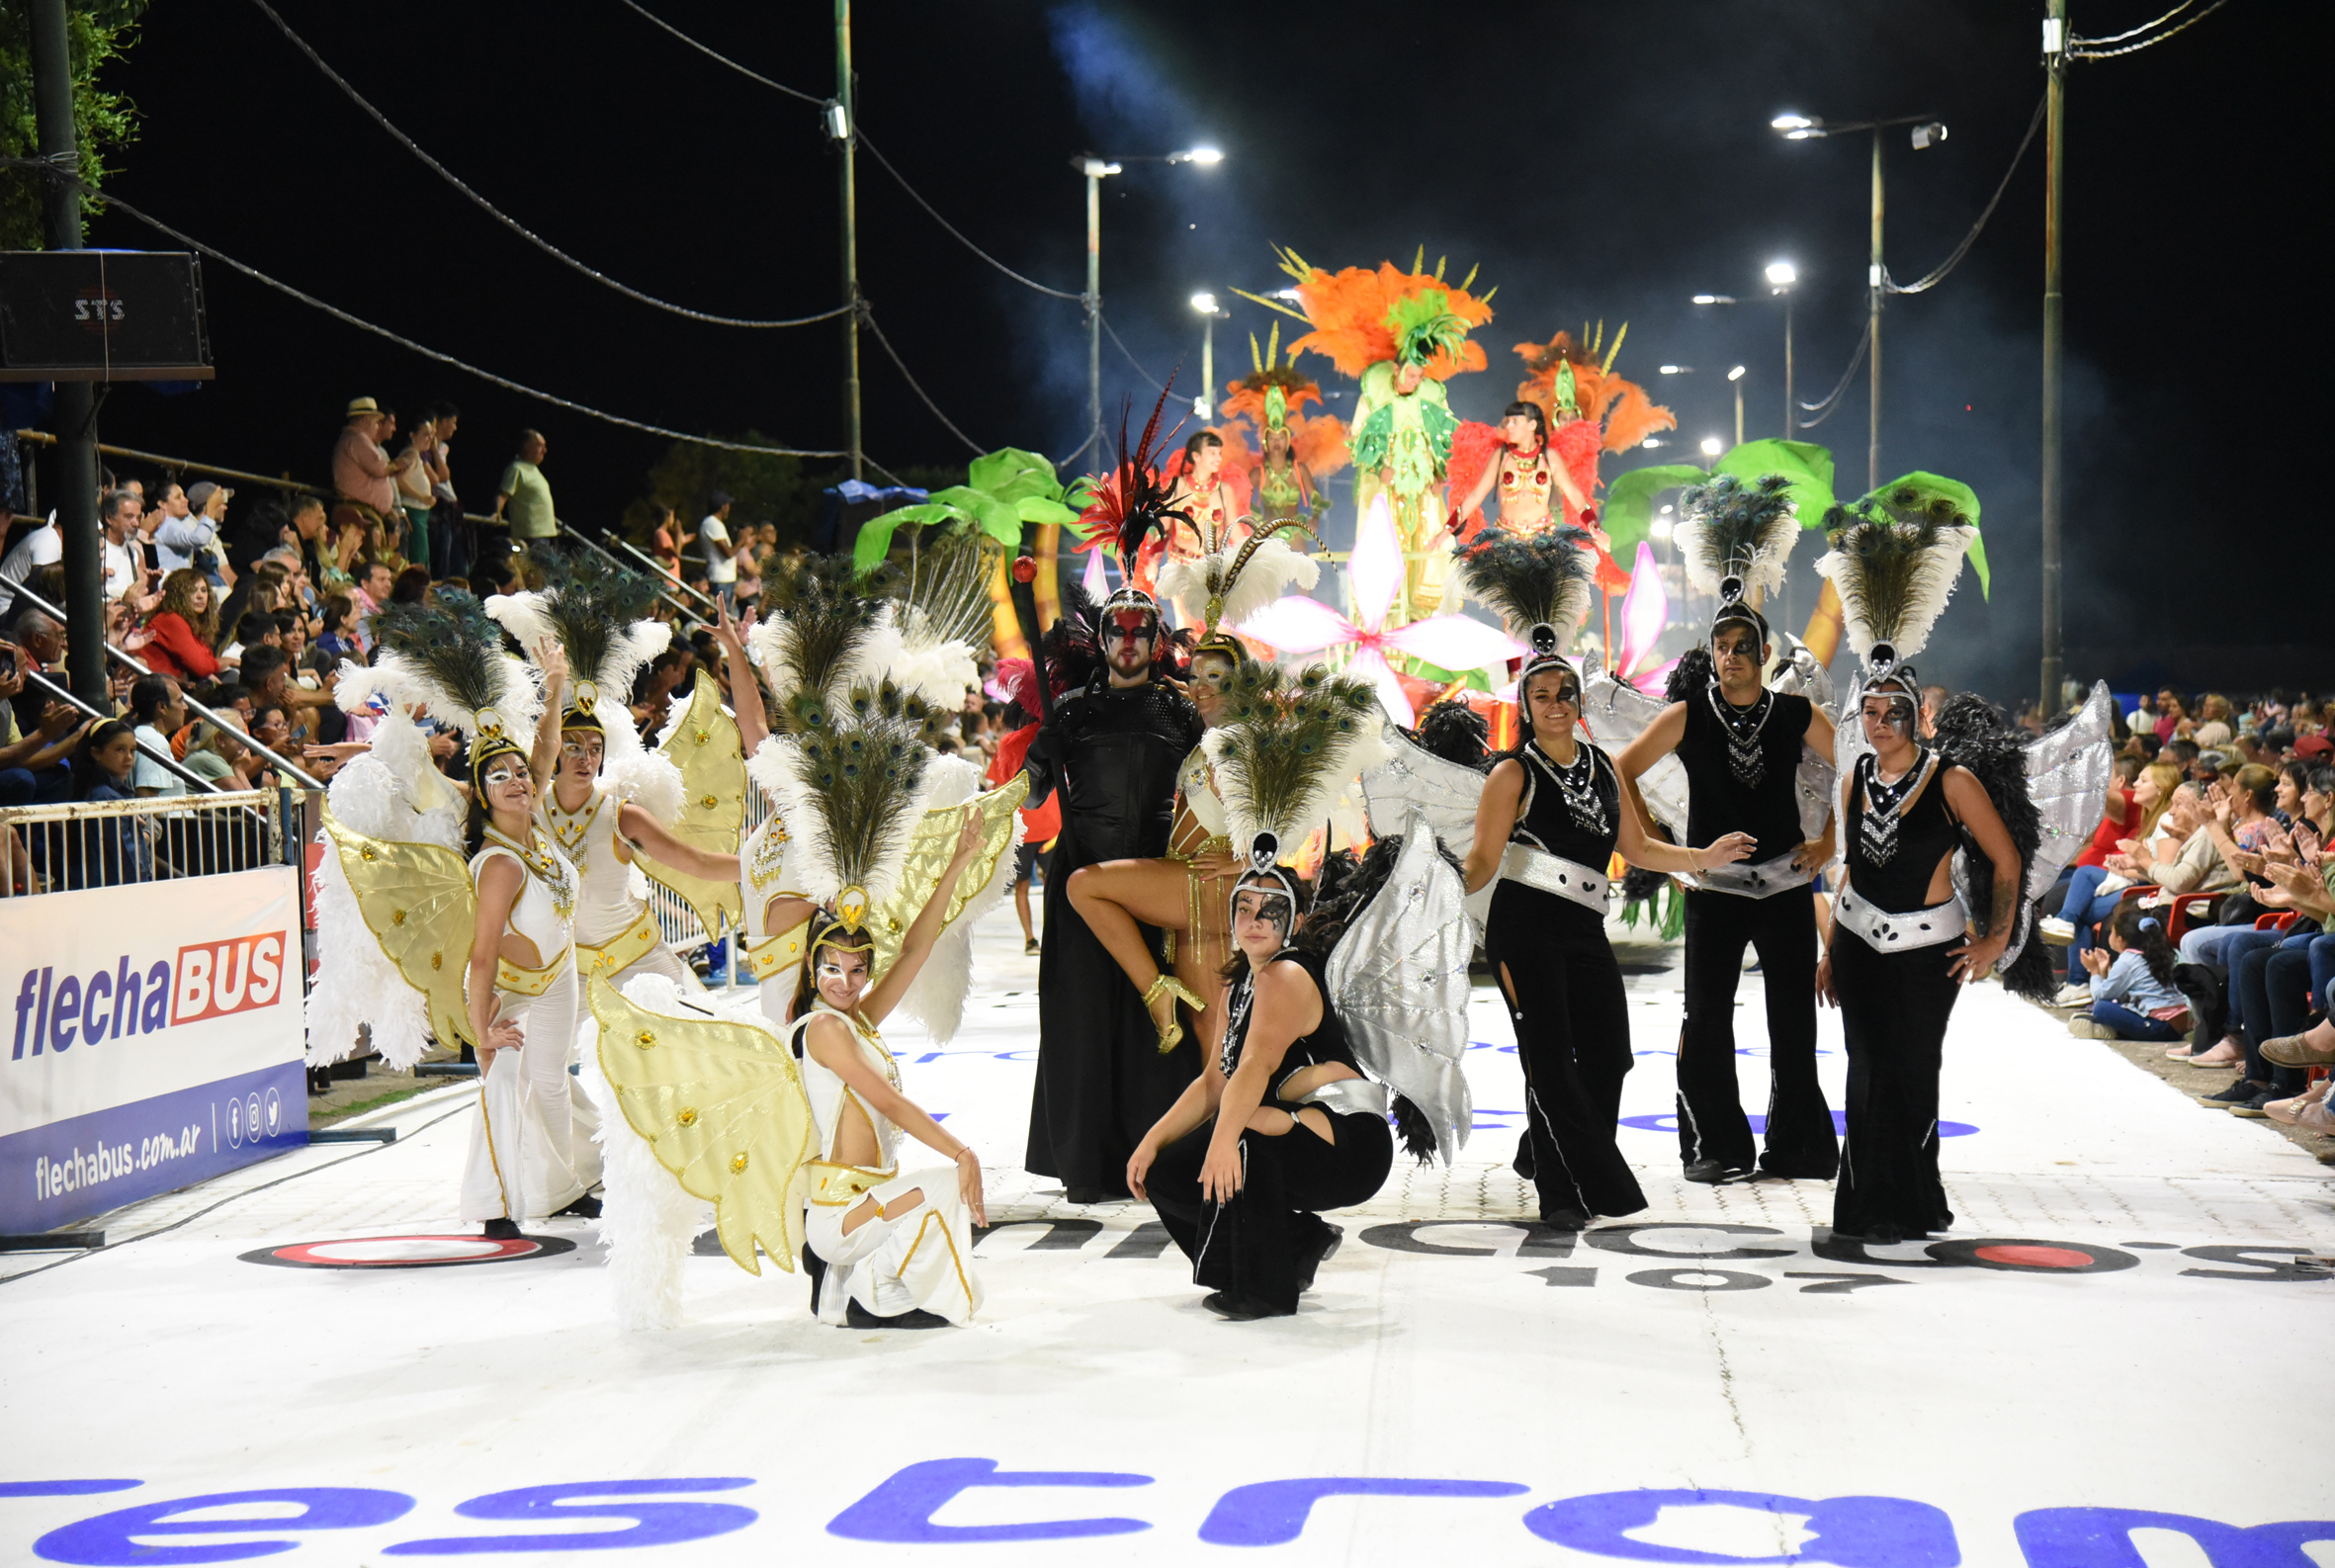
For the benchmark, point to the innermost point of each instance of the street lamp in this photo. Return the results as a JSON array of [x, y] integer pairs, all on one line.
[[1097, 170], [1781, 275], [1205, 406], [1736, 376], [1712, 446], [1928, 132]]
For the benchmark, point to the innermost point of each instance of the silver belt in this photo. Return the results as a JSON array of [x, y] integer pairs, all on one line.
[[1566, 879], [1345, 1095], [1885, 933], [1750, 879]]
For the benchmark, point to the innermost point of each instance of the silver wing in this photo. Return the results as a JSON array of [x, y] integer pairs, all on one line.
[[1398, 978], [1799, 674], [1414, 784], [2067, 775], [1615, 714]]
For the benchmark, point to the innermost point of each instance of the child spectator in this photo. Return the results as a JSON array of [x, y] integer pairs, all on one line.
[[2132, 992]]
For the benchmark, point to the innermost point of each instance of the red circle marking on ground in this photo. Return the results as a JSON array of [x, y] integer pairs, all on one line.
[[405, 1252], [2026, 1256]]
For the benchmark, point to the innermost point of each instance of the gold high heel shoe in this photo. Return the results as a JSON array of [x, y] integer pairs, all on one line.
[[1170, 1032]]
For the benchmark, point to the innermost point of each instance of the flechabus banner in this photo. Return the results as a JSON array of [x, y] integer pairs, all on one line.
[[154, 1039]]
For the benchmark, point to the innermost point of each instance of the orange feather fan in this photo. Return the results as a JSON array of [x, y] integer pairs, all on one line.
[[1620, 406], [1347, 311]]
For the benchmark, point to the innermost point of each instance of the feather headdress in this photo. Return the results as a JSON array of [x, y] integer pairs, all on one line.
[[1618, 409], [1232, 584], [1350, 314], [1735, 537], [1894, 568], [1535, 581], [1284, 748], [931, 639], [448, 655], [849, 780], [1129, 504], [824, 616]]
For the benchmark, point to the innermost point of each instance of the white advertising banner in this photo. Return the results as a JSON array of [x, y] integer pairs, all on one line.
[[156, 1040]]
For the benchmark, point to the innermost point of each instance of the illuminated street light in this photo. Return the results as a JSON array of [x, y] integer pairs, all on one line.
[[1204, 402], [1677, 369], [1793, 122], [1782, 274], [1205, 302], [1736, 374], [1714, 299], [1202, 155], [1712, 446]]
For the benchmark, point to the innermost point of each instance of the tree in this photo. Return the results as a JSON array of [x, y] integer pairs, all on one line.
[[764, 487], [97, 33]]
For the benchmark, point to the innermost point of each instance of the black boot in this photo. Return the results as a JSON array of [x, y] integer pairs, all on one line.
[[858, 1317], [503, 1231], [817, 1268]]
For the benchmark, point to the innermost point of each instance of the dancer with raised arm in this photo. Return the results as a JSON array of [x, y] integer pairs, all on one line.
[[1742, 744], [1550, 820]]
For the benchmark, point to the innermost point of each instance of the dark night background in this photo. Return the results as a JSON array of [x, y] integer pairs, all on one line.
[[1599, 162]]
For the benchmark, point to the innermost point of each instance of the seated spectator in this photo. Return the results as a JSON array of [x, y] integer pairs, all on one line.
[[341, 638], [219, 754], [2214, 730], [272, 728], [373, 581], [267, 675], [412, 586], [41, 650], [257, 629], [2132, 996], [107, 853], [159, 710], [185, 630], [27, 756], [2172, 719], [291, 635], [2121, 816]]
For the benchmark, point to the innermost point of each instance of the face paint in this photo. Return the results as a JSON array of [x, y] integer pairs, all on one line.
[[1127, 626], [504, 770]]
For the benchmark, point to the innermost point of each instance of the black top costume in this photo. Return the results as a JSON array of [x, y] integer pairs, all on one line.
[[1546, 942], [1101, 1082], [1262, 1248], [1741, 766]]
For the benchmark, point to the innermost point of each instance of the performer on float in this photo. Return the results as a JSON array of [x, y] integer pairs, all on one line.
[[1903, 942], [1549, 822], [763, 1121], [471, 905], [1298, 452], [1741, 745], [1524, 472], [1113, 746], [1186, 893], [1283, 1123], [609, 798]]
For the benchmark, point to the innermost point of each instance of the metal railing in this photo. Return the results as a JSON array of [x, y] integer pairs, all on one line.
[[651, 564], [656, 574], [69, 847], [678, 922]]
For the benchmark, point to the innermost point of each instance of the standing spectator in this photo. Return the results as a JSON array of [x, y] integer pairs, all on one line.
[[2172, 719], [415, 494], [450, 535], [185, 629], [662, 546], [362, 477], [713, 543], [159, 710], [372, 585], [523, 500], [119, 515], [181, 531]]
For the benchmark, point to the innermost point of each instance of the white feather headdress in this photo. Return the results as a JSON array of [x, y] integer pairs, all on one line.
[[1233, 584], [1731, 530], [1894, 574]]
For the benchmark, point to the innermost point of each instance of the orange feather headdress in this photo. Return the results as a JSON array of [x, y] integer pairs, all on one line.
[[1620, 407], [1349, 310]]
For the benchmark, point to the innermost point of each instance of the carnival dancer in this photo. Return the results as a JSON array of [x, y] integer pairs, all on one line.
[[764, 1121], [1903, 942], [504, 900], [1118, 734], [1187, 894], [609, 798], [1741, 745], [1283, 1122], [1524, 472], [1549, 823], [1298, 451]]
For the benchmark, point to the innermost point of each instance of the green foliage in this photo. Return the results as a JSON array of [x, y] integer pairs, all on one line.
[[1003, 490], [1629, 502], [97, 32]]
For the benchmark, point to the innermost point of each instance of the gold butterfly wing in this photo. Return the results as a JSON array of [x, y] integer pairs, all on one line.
[[420, 905], [721, 1102], [930, 849], [706, 747]]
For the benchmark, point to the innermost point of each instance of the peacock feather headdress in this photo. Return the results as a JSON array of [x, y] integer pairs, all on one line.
[[824, 615], [1893, 561], [448, 655], [1541, 584], [1734, 538], [599, 614], [1284, 749]]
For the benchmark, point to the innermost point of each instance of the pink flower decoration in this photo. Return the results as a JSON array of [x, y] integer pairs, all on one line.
[[1645, 612], [1374, 580]]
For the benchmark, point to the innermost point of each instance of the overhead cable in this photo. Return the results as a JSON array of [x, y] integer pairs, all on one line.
[[954, 231], [1936, 275], [2133, 33], [867, 318], [650, 16], [37, 166], [513, 223], [1131, 359], [1823, 410], [2077, 50]]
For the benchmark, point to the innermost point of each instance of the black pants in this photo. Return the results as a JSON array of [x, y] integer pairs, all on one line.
[[1250, 1248], [1894, 1008], [2273, 982], [1571, 1025], [1781, 929]]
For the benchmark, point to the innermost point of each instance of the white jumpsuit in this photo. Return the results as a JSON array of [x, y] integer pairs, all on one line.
[[923, 1258], [775, 958], [616, 932], [531, 1152]]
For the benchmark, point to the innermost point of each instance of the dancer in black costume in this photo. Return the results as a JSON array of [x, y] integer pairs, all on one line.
[[1740, 745], [1114, 747], [1902, 943], [1548, 824], [1282, 1125]]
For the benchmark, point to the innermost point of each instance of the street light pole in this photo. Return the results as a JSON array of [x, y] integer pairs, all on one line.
[[843, 124], [1735, 377], [1873, 439], [1095, 169], [2054, 191]]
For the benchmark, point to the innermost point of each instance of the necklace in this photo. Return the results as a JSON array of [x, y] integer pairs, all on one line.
[[1885, 805], [573, 829], [1745, 759], [545, 865], [1577, 787]]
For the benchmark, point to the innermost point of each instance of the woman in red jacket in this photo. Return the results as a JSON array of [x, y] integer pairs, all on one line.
[[185, 629]]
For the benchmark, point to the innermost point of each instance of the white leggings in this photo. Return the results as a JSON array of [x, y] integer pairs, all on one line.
[[923, 1258]]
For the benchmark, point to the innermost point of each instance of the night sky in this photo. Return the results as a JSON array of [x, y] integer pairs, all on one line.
[[1600, 162]]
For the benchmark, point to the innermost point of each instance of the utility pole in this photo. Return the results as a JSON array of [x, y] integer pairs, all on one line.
[[76, 403], [1095, 169], [843, 126], [2054, 190], [1873, 440], [1791, 413]]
